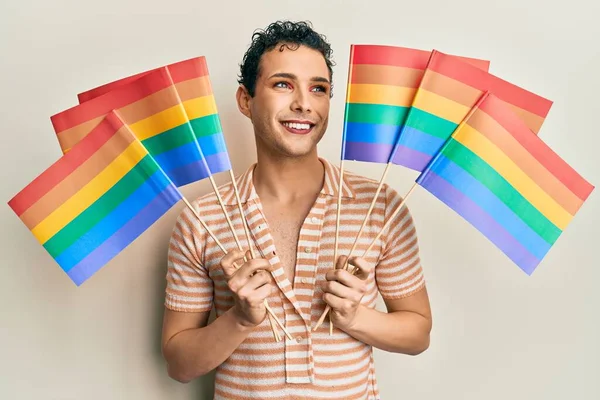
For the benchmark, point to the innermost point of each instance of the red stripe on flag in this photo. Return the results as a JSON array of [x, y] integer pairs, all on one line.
[[189, 69], [180, 72], [464, 72], [390, 55], [403, 57], [122, 96]]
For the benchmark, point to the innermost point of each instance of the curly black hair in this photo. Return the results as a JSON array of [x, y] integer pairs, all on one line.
[[286, 34]]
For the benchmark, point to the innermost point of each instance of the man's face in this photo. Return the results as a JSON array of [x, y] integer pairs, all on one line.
[[290, 107]]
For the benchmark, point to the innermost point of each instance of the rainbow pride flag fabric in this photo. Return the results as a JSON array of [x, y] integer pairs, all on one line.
[[193, 86], [152, 109], [448, 90], [496, 173], [382, 81], [96, 199]]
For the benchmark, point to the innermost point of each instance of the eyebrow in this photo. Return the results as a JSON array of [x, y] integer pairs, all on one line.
[[288, 75]]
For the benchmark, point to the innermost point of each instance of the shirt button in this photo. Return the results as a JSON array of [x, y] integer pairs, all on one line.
[[315, 220], [299, 339], [304, 280], [260, 227], [307, 249]]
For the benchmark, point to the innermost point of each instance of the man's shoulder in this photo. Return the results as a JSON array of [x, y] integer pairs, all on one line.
[[205, 205], [225, 191], [358, 181], [364, 186]]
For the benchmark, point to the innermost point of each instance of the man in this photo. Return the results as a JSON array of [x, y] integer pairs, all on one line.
[[289, 199]]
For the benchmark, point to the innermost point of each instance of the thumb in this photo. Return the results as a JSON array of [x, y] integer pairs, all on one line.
[[341, 261]]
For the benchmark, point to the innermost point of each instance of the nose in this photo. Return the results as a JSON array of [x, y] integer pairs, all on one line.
[[301, 102]]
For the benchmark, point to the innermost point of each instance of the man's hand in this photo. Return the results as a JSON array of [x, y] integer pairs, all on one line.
[[344, 291], [250, 284]]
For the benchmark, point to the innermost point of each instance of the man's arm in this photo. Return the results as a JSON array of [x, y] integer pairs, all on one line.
[[191, 348], [405, 328]]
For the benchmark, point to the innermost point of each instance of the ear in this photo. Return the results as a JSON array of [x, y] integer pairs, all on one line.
[[243, 101]]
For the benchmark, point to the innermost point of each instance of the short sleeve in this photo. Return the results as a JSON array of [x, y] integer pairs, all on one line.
[[399, 272], [189, 287]]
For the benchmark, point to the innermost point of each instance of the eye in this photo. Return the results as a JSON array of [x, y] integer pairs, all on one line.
[[282, 85], [319, 88]]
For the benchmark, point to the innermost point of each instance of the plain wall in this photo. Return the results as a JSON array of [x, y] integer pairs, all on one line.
[[498, 333]]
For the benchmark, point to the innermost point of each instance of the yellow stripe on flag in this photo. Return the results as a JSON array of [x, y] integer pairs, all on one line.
[[380, 94], [200, 107], [156, 124], [440, 106]]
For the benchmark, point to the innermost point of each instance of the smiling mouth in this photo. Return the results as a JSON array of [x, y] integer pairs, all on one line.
[[298, 128]]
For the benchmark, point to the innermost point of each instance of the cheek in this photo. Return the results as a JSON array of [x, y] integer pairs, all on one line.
[[323, 108], [259, 112], [269, 110]]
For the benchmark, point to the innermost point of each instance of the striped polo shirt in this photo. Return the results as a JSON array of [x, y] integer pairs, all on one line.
[[313, 365]]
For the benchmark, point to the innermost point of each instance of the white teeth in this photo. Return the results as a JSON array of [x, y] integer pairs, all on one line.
[[295, 125]]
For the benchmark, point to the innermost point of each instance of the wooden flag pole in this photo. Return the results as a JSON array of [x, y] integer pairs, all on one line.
[[337, 226], [220, 200], [386, 226], [244, 221], [339, 199], [381, 182]]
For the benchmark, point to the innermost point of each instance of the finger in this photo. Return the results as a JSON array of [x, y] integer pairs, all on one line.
[[342, 291], [335, 302], [227, 262], [246, 271], [347, 279], [251, 266], [252, 284], [261, 294], [362, 268], [258, 280], [255, 297]]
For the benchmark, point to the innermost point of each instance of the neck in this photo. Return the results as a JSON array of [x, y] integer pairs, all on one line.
[[288, 179]]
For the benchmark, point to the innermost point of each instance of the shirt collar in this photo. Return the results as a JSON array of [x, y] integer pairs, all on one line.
[[245, 185]]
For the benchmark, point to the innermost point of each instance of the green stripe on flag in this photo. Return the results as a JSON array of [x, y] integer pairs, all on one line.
[[376, 114]]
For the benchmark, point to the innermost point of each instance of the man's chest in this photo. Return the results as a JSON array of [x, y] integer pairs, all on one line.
[[285, 224]]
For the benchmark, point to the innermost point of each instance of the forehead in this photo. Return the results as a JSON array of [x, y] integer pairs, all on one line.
[[303, 62]]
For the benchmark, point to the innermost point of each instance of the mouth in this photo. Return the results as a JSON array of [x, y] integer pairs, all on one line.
[[298, 127]]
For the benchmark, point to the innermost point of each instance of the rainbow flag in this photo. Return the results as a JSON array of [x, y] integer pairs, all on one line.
[[151, 107], [502, 178], [192, 83], [448, 90], [96, 199], [382, 81]]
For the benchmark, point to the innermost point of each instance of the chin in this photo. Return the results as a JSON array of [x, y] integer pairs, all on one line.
[[298, 153]]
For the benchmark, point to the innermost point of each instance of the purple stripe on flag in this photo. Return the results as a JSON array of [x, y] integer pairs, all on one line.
[[218, 162], [196, 170], [475, 215], [124, 236], [369, 152], [410, 158]]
